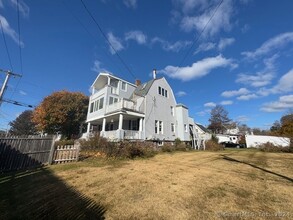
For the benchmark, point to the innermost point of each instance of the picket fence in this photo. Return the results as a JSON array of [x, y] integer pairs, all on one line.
[[17, 153]]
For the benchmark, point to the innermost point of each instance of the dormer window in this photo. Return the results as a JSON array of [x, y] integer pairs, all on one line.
[[163, 91]]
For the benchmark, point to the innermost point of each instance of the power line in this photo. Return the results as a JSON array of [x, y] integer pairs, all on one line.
[[7, 51], [20, 51], [199, 36], [18, 103], [19, 44], [86, 30], [104, 35]]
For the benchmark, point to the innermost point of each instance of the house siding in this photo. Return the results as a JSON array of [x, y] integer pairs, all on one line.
[[158, 107]]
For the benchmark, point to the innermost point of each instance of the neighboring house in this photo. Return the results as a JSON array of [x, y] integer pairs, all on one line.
[[203, 132], [233, 131], [121, 110]]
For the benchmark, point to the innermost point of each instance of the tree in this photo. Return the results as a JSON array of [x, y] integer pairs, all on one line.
[[287, 125], [244, 129], [62, 112], [23, 124], [275, 127], [219, 119]]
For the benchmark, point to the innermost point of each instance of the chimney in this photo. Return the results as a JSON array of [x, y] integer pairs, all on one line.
[[137, 82], [154, 73]]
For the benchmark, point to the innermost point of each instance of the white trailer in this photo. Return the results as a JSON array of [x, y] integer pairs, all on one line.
[[257, 140]]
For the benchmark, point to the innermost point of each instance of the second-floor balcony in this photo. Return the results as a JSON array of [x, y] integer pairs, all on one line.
[[124, 104]]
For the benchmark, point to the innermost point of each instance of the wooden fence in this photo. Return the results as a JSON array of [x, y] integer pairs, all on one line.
[[67, 153], [18, 153]]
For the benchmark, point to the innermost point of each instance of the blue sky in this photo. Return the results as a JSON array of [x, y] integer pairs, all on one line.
[[242, 59]]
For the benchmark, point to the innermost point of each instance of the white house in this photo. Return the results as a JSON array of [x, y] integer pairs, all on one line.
[[121, 110]]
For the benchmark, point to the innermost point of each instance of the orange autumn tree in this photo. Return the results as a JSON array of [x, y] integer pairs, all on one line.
[[62, 112]]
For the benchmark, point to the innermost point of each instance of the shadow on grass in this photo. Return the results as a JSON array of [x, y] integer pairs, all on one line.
[[257, 167], [39, 194]]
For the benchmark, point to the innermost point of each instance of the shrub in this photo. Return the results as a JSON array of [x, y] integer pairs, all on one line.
[[213, 146], [182, 147], [215, 139], [269, 147], [95, 142], [124, 149], [64, 142], [168, 147]]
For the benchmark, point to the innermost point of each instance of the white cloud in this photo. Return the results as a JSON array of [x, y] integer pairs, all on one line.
[[130, 3], [205, 47], [210, 104], [224, 42], [220, 21], [137, 36], [257, 80], [270, 45], [285, 83], [21, 92], [23, 8], [181, 93], [204, 112], [245, 28], [242, 118], [226, 102], [115, 42], [196, 70], [98, 67], [247, 97], [231, 93], [9, 31], [261, 78], [188, 6], [284, 103], [175, 47]]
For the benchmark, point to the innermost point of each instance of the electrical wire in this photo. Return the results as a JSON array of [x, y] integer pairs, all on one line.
[[199, 35], [86, 30], [110, 44], [6, 47], [19, 41], [18, 103], [20, 51]]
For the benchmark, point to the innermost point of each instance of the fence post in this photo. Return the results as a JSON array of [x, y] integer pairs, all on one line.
[[50, 159], [77, 144]]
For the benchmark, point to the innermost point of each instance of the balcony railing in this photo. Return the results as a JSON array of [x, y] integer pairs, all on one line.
[[127, 104]]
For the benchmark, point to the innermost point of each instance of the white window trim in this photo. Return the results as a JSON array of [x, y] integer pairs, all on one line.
[[172, 127], [122, 86]]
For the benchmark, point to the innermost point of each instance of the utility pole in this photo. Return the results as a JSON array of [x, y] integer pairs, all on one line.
[[8, 74]]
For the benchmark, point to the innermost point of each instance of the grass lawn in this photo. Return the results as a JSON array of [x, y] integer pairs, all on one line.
[[230, 184]]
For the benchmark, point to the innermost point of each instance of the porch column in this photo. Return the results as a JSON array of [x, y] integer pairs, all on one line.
[[104, 125], [120, 122], [140, 133], [140, 124], [88, 127]]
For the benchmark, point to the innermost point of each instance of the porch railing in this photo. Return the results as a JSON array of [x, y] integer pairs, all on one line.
[[129, 134]]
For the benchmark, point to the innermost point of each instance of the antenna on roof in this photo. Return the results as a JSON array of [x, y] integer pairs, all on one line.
[[154, 73]]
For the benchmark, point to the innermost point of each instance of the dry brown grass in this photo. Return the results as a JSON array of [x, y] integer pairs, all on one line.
[[192, 185]]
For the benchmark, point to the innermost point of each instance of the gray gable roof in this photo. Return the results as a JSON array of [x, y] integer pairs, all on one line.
[[203, 128], [143, 89]]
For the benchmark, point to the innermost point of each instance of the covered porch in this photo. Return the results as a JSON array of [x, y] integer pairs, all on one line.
[[119, 126]]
